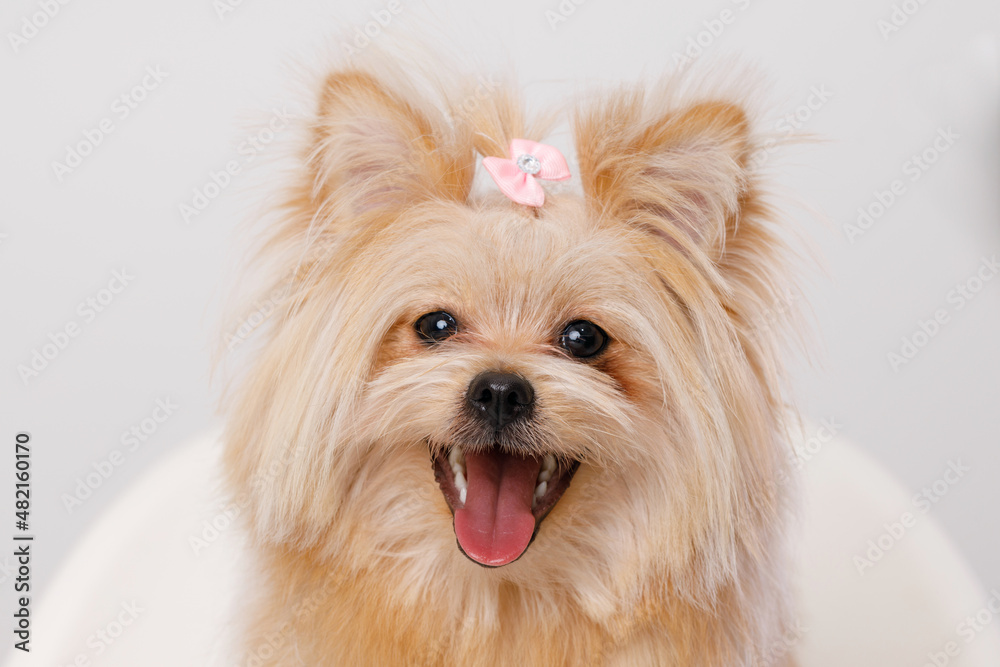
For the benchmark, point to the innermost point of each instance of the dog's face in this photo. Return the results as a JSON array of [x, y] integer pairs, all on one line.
[[520, 348], [576, 395]]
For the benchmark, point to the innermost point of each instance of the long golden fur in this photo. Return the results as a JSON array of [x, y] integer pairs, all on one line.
[[669, 546]]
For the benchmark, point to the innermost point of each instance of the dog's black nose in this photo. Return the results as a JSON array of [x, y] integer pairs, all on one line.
[[500, 398]]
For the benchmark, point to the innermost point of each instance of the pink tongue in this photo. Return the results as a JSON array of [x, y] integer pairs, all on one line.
[[496, 524]]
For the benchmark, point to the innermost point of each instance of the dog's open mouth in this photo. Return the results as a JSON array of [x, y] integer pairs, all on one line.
[[499, 499]]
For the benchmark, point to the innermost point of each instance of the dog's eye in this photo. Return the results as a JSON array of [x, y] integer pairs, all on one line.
[[436, 326], [583, 339]]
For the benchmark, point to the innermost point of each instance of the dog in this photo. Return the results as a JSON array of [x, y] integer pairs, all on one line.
[[509, 412]]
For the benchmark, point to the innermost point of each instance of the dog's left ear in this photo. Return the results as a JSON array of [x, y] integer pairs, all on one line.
[[683, 173], [378, 146]]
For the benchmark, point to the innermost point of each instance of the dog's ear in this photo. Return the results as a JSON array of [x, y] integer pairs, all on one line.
[[680, 173], [375, 149]]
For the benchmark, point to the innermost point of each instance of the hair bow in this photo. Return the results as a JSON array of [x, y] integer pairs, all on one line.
[[529, 160]]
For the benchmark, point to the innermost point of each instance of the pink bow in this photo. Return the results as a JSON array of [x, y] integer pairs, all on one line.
[[528, 159]]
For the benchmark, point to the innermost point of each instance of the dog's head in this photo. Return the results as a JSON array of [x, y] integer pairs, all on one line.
[[580, 395]]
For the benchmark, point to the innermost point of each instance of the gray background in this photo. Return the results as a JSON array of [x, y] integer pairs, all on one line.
[[888, 96]]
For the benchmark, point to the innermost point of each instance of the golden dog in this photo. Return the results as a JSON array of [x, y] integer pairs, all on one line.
[[485, 433]]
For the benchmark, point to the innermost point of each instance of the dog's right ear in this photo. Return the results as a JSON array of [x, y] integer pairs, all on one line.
[[679, 172], [374, 149]]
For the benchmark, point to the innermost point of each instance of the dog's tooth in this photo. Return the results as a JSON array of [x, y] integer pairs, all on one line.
[[544, 475], [462, 493], [456, 458], [541, 489], [549, 463], [460, 481]]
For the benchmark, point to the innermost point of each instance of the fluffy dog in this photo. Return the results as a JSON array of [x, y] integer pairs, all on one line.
[[481, 431]]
